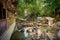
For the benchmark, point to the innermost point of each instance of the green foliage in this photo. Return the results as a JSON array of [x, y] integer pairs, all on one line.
[[41, 7], [30, 1]]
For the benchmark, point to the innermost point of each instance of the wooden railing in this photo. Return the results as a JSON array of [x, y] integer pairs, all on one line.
[[3, 26], [5, 23]]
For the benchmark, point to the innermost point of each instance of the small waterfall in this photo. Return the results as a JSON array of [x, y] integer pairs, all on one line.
[[25, 32]]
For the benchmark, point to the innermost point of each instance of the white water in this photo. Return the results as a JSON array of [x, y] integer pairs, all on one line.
[[25, 32]]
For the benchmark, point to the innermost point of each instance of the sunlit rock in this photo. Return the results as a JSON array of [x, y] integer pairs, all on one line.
[[50, 20]]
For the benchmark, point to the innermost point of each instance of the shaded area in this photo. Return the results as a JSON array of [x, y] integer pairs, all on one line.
[[17, 36]]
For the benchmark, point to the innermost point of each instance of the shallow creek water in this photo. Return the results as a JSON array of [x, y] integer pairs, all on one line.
[[23, 34]]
